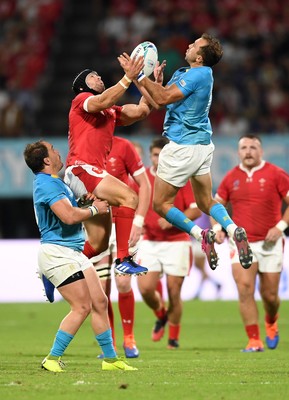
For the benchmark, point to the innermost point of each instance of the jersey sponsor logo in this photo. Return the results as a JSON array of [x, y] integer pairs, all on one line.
[[182, 83]]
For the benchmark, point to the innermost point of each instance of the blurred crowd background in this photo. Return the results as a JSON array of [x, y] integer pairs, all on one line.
[[45, 43]]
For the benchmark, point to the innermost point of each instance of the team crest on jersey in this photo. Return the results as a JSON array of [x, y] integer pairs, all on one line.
[[262, 182], [112, 160], [112, 163]]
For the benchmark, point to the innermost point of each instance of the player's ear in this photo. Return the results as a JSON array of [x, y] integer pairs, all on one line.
[[199, 59], [46, 161]]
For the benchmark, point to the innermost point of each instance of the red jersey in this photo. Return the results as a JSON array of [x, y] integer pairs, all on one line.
[[256, 197], [152, 231], [90, 135], [123, 160]]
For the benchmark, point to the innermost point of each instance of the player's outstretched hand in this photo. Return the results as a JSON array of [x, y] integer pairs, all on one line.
[[131, 66], [159, 71]]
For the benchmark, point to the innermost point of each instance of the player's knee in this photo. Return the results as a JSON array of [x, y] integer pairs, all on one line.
[[84, 309], [269, 296], [123, 284], [130, 200], [146, 292], [101, 305]]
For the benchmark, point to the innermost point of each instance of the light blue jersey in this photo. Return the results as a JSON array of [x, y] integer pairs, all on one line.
[[187, 121], [47, 189]]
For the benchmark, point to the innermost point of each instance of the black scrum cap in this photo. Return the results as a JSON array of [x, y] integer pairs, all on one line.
[[79, 85]]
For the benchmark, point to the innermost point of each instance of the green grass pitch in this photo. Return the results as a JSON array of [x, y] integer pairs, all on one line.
[[207, 366]]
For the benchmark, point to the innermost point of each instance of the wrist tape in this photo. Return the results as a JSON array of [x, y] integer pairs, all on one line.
[[93, 210]]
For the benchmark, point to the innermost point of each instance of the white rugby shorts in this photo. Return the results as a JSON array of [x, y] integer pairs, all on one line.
[[171, 258], [269, 258], [58, 263], [178, 163], [83, 178]]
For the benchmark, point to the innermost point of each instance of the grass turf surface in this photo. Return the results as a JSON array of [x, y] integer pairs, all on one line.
[[207, 366]]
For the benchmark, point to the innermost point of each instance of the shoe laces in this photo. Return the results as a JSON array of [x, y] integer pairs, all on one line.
[[61, 363]]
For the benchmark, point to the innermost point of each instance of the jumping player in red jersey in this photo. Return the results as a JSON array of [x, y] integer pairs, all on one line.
[[92, 119], [256, 189], [166, 250], [125, 164]]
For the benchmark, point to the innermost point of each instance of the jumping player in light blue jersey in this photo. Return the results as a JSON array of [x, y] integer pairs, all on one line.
[[61, 260], [187, 122], [189, 154]]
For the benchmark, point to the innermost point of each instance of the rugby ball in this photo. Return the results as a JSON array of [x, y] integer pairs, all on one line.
[[150, 53]]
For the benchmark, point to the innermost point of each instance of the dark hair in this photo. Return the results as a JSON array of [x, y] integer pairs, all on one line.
[[159, 143], [212, 52], [34, 155], [251, 136]]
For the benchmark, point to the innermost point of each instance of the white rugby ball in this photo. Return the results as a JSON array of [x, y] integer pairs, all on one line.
[[150, 53]]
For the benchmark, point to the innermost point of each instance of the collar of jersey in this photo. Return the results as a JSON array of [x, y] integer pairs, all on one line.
[[44, 173]]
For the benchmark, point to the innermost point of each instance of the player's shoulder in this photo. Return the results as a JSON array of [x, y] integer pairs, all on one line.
[[122, 144], [120, 140], [202, 71], [272, 166], [81, 97], [274, 169], [234, 171]]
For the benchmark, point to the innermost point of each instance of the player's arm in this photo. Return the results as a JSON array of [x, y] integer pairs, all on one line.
[[161, 95], [111, 95], [159, 77], [70, 215], [157, 95], [277, 231], [131, 113], [144, 195]]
